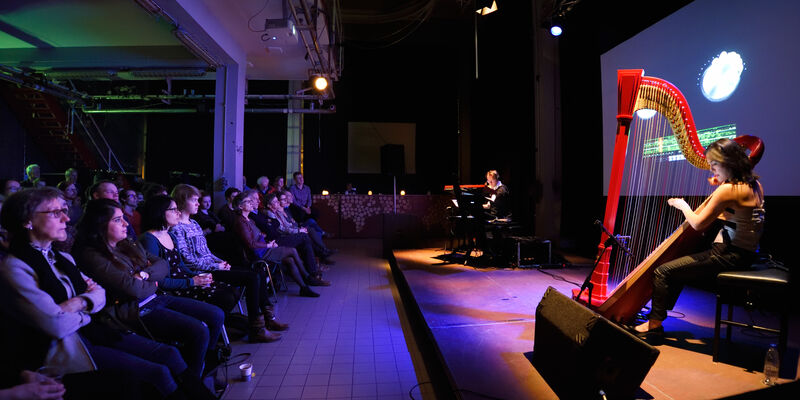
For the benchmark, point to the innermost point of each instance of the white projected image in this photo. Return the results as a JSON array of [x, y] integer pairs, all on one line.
[[722, 77]]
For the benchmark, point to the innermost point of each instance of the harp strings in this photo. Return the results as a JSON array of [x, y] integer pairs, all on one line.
[[649, 181]]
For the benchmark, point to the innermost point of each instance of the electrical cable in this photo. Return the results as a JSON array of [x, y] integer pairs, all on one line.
[[266, 2]]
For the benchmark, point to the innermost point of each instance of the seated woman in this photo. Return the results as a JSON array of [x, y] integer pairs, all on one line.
[[258, 248], [160, 213], [277, 185], [289, 226], [296, 213], [204, 217], [48, 307], [739, 203], [131, 277]]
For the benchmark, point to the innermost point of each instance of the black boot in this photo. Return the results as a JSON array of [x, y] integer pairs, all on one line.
[[305, 291]]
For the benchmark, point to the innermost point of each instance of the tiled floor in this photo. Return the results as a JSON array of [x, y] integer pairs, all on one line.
[[348, 343]]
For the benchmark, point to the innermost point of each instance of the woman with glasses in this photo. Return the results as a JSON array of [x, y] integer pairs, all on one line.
[[160, 214], [257, 247], [131, 277], [51, 309]]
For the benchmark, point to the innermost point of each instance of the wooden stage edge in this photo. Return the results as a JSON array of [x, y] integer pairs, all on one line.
[[475, 329]]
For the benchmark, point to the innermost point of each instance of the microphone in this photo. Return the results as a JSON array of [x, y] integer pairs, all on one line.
[[613, 238]]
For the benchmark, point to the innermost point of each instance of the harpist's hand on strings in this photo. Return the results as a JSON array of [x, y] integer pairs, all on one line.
[[679, 203]]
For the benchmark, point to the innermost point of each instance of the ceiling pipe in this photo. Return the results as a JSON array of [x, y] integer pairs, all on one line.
[[121, 97], [331, 110], [44, 86]]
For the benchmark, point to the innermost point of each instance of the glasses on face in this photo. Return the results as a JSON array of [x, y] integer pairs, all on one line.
[[173, 209], [114, 192], [55, 213]]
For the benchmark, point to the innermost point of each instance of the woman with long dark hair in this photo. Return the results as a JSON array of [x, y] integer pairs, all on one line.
[[131, 277], [739, 202]]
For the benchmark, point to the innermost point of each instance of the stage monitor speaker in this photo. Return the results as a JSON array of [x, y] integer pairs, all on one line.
[[393, 161], [579, 353]]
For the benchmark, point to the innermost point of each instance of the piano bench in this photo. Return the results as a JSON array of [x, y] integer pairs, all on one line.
[[762, 288]]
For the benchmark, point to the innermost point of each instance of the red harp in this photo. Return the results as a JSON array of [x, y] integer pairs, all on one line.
[[633, 288]]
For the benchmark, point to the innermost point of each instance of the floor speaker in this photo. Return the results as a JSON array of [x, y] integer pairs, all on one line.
[[579, 353]]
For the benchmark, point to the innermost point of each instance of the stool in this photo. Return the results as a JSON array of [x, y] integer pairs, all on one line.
[[760, 288]]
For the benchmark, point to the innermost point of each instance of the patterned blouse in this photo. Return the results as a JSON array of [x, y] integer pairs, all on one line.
[[193, 246]]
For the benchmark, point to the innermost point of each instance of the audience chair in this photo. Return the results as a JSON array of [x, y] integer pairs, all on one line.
[[764, 288]]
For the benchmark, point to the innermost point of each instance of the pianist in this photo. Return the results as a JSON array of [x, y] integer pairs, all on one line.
[[498, 205]]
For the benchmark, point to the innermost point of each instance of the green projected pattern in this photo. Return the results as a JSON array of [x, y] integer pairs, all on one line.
[[667, 145]]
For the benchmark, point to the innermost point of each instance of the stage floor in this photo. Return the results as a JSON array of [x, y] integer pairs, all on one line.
[[483, 320]]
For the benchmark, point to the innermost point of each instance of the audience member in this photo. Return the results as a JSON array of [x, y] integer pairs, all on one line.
[[10, 187], [302, 194], [103, 189], [70, 192], [108, 190], [277, 185], [131, 277], [226, 213], [296, 213], [193, 247], [33, 177], [129, 201], [258, 248], [204, 217], [48, 303], [3, 234], [263, 187], [299, 241], [71, 177], [155, 189], [290, 226]]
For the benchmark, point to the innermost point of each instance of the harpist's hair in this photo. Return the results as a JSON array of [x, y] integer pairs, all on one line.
[[733, 157]]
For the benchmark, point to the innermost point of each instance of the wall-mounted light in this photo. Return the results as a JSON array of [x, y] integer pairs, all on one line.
[[325, 193], [369, 193], [402, 193]]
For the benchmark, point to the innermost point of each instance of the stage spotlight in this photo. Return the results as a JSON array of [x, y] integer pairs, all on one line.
[[320, 83], [484, 7], [556, 30]]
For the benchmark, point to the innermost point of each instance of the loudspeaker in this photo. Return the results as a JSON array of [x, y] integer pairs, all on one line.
[[579, 353], [393, 161]]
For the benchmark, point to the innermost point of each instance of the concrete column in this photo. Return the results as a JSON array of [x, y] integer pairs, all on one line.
[[294, 134], [228, 130], [547, 103]]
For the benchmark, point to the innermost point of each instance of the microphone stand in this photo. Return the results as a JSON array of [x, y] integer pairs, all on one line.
[[587, 284]]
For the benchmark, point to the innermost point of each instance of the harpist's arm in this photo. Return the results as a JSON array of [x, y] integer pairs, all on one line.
[[708, 211]]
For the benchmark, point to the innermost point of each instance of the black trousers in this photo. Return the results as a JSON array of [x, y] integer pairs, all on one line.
[[257, 296], [701, 268]]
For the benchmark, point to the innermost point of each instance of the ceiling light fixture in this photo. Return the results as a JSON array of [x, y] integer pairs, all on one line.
[[484, 7], [320, 82]]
